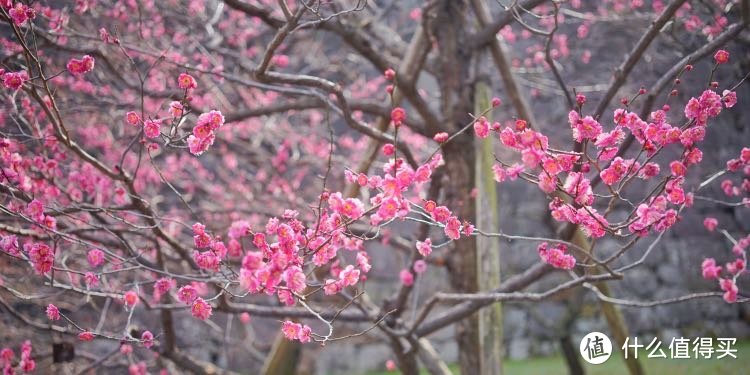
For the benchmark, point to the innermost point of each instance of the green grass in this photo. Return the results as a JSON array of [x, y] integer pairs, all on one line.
[[616, 366]]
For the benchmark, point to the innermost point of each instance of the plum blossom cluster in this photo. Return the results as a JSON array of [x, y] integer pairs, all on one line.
[[25, 365], [556, 256], [727, 275], [742, 163], [78, 67], [19, 13], [13, 80], [296, 331], [203, 133], [615, 171]]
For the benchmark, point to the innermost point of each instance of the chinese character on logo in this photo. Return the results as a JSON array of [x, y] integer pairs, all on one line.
[[596, 348]]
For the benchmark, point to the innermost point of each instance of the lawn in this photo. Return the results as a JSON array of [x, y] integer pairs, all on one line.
[[615, 365]]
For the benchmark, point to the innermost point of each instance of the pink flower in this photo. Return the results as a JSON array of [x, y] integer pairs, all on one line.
[[547, 183], [176, 109], [291, 330], [79, 67], [186, 81], [147, 338], [398, 116], [86, 336], [721, 56], [482, 127], [729, 98], [583, 128], [710, 223], [91, 280], [95, 258], [151, 128], [390, 365], [130, 298], [201, 309], [440, 137], [41, 256], [730, 289], [15, 80], [349, 276], [187, 294], [420, 266], [295, 279], [453, 228], [52, 312], [132, 118], [245, 318], [164, 284], [198, 146], [736, 267], [388, 149], [710, 270], [556, 256], [496, 102], [678, 169], [424, 248], [20, 13], [213, 119], [407, 278], [305, 334]]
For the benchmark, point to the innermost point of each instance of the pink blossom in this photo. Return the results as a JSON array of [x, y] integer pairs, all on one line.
[[79, 67], [453, 228], [86, 336], [95, 258], [420, 266], [583, 128], [710, 270], [187, 294], [710, 223], [424, 248], [407, 278], [41, 257], [176, 109], [53, 313], [556, 256], [398, 116], [201, 309], [730, 289], [482, 127], [147, 338], [91, 280], [186, 81], [729, 98], [151, 128], [130, 298], [721, 56], [295, 279], [132, 118], [296, 331], [388, 149], [15, 80], [678, 169], [245, 318], [440, 137], [736, 267]]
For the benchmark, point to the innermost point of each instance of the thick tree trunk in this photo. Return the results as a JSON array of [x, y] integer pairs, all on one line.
[[448, 26], [488, 248], [572, 355]]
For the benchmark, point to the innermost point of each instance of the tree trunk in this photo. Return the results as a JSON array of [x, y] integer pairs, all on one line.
[[488, 248], [571, 355], [448, 26]]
